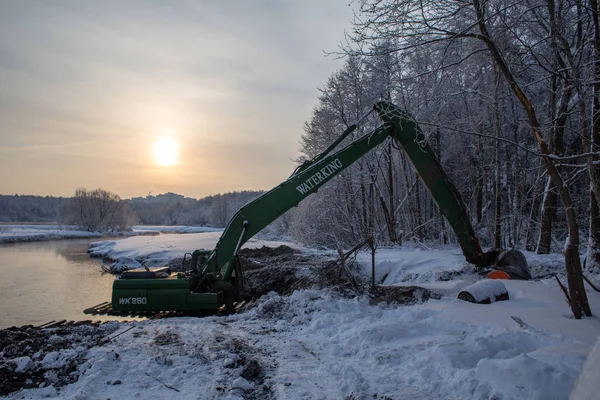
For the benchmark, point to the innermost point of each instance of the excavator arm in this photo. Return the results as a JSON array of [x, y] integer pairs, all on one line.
[[210, 283]]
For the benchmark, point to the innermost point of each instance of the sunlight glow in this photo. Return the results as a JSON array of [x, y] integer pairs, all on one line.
[[165, 151]]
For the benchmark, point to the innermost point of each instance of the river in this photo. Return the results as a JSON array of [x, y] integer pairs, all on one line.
[[50, 280]]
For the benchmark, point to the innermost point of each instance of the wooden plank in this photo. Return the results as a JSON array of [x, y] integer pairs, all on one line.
[[55, 324], [46, 324]]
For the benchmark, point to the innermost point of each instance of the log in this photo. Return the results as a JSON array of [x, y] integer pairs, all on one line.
[[485, 291]]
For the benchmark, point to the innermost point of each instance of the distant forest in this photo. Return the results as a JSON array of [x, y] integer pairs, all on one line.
[[163, 209]]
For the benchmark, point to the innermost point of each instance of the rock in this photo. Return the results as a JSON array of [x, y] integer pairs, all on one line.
[[51, 360], [241, 383], [514, 263], [51, 377], [10, 351], [251, 370], [228, 363], [23, 363], [163, 360]]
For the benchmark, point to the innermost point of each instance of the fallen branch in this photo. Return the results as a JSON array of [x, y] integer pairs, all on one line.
[[564, 289], [104, 267], [519, 321], [165, 385], [590, 283], [348, 273], [308, 350]]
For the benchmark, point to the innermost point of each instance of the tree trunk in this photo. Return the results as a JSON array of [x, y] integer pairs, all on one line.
[[497, 189], [531, 226], [393, 237], [548, 214], [443, 236], [593, 252], [593, 262], [418, 204]]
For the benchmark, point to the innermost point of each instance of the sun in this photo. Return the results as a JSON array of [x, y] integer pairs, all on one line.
[[165, 151]]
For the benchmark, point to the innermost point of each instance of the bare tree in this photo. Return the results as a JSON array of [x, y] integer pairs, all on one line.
[[97, 211]]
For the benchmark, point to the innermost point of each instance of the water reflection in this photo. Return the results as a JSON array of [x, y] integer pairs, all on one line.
[[51, 280]]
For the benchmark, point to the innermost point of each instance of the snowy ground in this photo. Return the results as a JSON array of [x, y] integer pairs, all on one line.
[[316, 344]]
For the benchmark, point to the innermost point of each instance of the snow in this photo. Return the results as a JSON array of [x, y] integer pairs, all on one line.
[[25, 233], [318, 344], [314, 344], [174, 229], [159, 250], [411, 264], [486, 289], [23, 363], [587, 387], [241, 383]]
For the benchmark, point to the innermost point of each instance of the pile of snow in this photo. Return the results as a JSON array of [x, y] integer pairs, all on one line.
[[587, 386], [413, 265], [486, 290]]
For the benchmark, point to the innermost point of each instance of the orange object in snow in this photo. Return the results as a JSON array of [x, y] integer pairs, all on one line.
[[495, 274]]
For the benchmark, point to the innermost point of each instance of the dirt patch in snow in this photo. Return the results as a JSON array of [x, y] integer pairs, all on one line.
[[32, 357], [284, 270]]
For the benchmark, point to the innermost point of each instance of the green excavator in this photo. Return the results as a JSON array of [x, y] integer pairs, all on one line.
[[215, 277]]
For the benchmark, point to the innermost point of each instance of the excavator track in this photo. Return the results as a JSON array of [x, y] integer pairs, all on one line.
[[106, 309]]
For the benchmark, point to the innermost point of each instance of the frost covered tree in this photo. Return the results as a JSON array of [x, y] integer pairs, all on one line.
[[534, 63], [97, 210]]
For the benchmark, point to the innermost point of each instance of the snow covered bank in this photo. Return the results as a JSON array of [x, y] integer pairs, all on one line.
[[160, 250], [174, 229], [25, 233], [30, 233]]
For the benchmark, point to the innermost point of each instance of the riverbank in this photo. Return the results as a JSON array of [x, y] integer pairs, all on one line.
[[39, 232], [157, 251]]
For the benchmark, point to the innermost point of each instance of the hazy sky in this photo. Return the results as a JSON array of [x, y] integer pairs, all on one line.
[[87, 87]]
